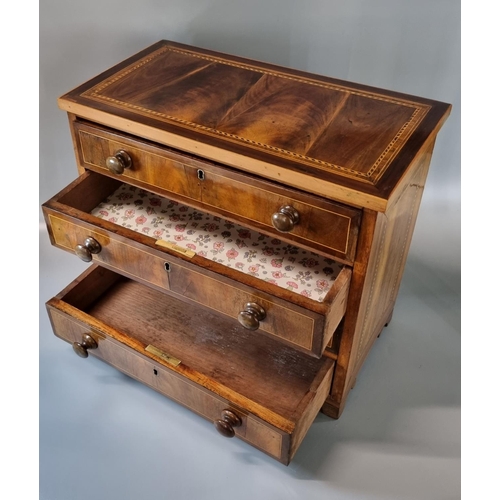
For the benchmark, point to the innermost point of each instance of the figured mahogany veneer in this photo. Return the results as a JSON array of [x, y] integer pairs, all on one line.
[[325, 227], [337, 139], [329, 166]]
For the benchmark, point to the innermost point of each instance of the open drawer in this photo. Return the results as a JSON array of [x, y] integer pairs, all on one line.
[[257, 389], [280, 290]]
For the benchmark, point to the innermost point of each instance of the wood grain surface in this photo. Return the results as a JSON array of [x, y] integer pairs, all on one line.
[[384, 245], [240, 139], [257, 376], [282, 124], [325, 227]]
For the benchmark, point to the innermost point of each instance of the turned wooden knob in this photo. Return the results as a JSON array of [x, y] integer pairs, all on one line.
[[251, 316], [226, 424], [82, 347], [90, 246], [119, 162], [285, 219]]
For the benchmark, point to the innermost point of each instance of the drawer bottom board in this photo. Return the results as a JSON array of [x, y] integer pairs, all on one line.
[[276, 391]]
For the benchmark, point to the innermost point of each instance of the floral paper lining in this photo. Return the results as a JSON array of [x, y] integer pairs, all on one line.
[[220, 240]]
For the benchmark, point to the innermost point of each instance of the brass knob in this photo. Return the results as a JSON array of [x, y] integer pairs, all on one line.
[[81, 347], [225, 425], [119, 162], [251, 316], [89, 247], [285, 219]]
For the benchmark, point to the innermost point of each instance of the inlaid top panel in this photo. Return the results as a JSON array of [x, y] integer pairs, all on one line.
[[301, 129]]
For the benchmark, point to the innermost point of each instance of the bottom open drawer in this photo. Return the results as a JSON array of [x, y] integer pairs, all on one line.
[[253, 387]]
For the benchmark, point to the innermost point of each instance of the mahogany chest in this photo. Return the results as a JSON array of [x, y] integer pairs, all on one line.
[[247, 227]]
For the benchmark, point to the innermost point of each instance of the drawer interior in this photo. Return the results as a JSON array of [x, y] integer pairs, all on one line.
[[257, 373], [222, 241]]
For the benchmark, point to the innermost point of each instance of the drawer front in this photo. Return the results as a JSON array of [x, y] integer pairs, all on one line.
[[326, 227], [259, 434], [130, 260], [296, 326]]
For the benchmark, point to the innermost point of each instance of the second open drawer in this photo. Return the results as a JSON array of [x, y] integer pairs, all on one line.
[[276, 289]]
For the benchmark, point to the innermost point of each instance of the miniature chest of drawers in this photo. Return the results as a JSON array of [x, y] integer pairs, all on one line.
[[247, 227]]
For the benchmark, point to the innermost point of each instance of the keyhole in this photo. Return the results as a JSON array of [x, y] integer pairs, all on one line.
[[167, 266], [201, 174], [155, 371]]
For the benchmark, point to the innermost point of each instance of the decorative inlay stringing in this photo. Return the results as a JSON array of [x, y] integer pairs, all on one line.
[[419, 111], [222, 241]]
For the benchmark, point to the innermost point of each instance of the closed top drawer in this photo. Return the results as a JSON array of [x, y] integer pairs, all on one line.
[[327, 227]]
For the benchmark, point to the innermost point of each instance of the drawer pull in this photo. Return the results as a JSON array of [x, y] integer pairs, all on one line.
[[82, 347], [90, 246], [285, 219], [225, 425], [119, 162], [251, 316]]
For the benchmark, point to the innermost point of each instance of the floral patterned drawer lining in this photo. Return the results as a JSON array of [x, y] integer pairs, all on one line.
[[217, 239]]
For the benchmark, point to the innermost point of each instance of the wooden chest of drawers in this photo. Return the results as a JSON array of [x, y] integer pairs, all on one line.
[[248, 227]]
